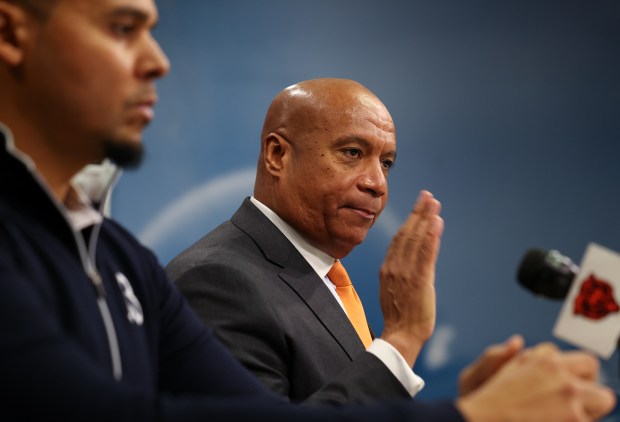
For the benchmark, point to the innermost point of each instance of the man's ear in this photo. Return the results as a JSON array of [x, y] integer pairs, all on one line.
[[276, 151], [13, 32]]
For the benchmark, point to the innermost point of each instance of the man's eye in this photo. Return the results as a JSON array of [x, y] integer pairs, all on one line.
[[387, 164], [123, 30], [353, 152]]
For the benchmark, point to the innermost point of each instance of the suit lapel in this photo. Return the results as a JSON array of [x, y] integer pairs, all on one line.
[[319, 299], [299, 275]]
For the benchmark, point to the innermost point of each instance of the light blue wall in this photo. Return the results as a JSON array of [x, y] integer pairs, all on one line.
[[509, 111]]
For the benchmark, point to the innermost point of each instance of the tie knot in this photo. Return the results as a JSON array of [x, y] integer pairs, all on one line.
[[338, 275]]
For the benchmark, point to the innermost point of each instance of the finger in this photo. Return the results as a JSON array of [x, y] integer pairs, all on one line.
[[500, 353], [543, 349], [597, 400], [493, 358], [581, 364], [402, 236], [514, 344], [421, 232]]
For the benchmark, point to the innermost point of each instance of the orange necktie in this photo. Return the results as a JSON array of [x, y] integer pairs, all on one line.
[[352, 303]]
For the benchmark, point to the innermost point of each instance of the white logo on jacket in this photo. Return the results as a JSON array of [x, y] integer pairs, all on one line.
[[134, 309]]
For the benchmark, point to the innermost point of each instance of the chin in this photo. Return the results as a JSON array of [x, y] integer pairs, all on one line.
[[357, 238], [344, 247], [126, 154]]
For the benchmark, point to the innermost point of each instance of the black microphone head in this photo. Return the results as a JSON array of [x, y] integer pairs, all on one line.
[[546, 273]]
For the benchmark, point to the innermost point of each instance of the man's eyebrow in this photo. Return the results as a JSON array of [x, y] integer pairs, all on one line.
[[134, 13], [352, 140]]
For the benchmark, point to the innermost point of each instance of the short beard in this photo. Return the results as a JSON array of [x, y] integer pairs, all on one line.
[[124, 154]]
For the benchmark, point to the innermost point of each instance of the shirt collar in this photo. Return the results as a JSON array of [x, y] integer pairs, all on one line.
[[318, 260], [10, 147], [80, 211]]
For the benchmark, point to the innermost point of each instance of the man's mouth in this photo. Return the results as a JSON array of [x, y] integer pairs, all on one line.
[[145, 107], [365, 213]]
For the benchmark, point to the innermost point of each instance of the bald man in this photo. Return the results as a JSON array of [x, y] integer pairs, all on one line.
[[261, 279]]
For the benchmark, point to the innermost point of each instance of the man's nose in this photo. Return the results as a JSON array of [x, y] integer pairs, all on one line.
[[374, 180]]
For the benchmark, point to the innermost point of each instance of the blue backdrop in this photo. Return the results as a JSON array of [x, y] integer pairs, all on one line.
[[508, 111]]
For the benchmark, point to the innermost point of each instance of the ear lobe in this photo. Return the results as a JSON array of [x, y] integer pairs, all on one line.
[[275, 152], [11, 34]]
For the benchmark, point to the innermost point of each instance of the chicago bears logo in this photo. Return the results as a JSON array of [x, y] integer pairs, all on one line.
[[595, 299], [134, 309]]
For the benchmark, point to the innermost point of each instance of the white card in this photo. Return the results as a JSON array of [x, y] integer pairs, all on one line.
[[590, 316]]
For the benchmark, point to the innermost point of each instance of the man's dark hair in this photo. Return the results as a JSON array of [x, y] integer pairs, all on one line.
[[38, 8]]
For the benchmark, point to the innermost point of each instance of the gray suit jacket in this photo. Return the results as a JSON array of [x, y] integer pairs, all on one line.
[[266, 303]]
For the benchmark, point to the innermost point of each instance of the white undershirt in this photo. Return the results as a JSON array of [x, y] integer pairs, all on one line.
[[80, 212], [322, 263]]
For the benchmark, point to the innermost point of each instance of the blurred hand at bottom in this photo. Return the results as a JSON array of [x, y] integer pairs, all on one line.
[[542, 384]]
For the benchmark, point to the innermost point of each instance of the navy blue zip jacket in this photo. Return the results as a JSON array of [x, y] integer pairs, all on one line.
[[100, 334]]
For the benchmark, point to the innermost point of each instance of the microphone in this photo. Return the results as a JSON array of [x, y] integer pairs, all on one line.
[[591, 319], [547, 273]]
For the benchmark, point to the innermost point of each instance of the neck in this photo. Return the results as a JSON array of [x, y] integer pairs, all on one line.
[[58, 184], [54, 166]]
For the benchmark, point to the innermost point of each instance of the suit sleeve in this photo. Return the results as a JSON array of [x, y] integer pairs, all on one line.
[[220, 295], [228, 301], [47, 371]]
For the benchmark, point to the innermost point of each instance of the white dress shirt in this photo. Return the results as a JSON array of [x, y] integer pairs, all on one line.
[[322, 263]]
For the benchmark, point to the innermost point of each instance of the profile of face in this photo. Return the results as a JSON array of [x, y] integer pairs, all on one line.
[[338, 151], [92, 65]]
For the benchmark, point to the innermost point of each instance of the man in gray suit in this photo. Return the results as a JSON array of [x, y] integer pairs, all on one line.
[[263, 279], [260, 278]]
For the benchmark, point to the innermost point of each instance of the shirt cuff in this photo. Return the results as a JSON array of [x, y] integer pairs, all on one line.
[[397, 365]]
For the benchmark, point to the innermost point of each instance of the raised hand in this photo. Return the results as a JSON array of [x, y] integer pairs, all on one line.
[[407, 279]]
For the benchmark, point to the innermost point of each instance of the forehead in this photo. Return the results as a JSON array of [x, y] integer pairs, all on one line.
[[353, 103], [362, 117]]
